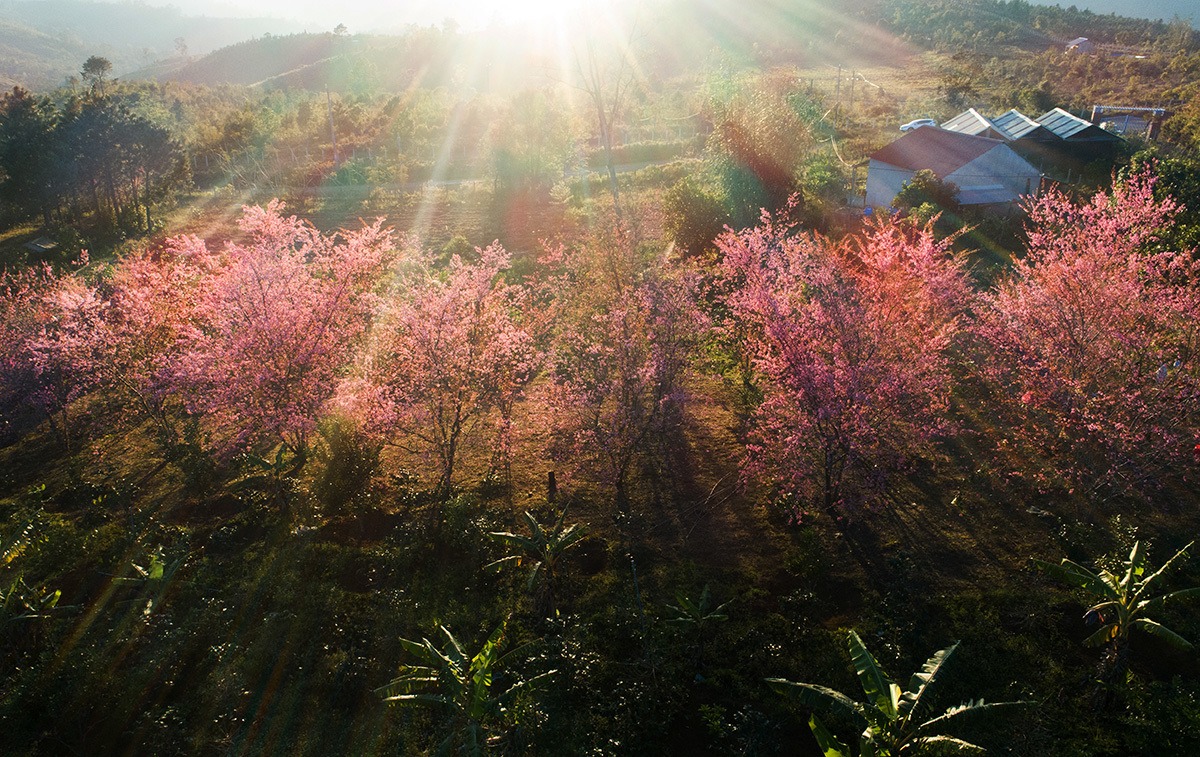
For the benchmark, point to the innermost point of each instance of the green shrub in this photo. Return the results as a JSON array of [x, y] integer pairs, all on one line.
[[349, 460], [695, 216]]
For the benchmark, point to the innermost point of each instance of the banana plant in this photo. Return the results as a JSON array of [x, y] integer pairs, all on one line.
[[541, 550], [154, 578], [1125, 601], [273, 479], [19, 600], [449, 679], [699, 615], [15, 543], [893, 722], [24, 606]]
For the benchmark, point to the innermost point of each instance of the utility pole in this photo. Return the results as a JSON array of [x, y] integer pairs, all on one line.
[[332, 132], [837, 98]]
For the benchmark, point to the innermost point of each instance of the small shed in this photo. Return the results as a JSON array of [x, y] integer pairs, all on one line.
[[987, 171], [1081, 45], [41, 246]]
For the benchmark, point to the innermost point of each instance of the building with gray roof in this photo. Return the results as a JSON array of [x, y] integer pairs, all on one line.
[[1016, 125], [1057, 142], [972, 122], [987, 171], [1071, 128]]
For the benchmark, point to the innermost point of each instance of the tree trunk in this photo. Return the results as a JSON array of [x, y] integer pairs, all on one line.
[[606, 142], [1111, 673], [444, 486], [622, 492], [829, 494]]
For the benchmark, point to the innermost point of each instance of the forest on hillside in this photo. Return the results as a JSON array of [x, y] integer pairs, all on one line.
[[395, 395]]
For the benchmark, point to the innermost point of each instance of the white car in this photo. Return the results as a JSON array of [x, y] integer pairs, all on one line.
[[917, 124]]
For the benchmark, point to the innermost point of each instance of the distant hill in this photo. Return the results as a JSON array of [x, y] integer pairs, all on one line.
[[426, 57], [675, 37], [317, 61], [33, 59], [256, 60], [43, 42]]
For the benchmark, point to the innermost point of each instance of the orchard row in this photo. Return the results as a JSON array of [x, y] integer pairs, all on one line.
[[856, 358]]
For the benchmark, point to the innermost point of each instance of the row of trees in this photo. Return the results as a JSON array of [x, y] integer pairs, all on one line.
[[91, 154], [1082, 361], [106, 154], [1083, 358]]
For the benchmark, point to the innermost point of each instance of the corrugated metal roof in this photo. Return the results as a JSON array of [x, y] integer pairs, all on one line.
[[1063, 124], [1014, 124], [939, 150], [970, 121]]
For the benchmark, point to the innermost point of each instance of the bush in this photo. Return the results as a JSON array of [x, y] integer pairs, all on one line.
[[695, 216], [925, 188], [640, 152], [349, 459]]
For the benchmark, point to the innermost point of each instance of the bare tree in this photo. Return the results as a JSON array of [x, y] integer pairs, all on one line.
[[606, 78]]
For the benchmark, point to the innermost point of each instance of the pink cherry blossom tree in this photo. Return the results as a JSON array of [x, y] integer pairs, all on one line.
[[1094, 340], [851, 344], [450, 353], [275, 324], [70, 340], [623, 334], [46, 319], [152, 301]]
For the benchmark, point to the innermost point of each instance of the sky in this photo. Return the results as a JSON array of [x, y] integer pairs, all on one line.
[[390, 15]]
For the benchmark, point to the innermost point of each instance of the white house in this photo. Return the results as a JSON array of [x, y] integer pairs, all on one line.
[[987, 171]]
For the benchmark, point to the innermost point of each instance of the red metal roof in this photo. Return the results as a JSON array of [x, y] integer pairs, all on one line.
[[939, 150]]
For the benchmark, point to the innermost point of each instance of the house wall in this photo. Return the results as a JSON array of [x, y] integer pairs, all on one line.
[[999, 175], [998, 167], [884, 182]]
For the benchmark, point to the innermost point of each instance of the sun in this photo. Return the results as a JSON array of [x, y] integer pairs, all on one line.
[[520, 12], [531, 10]]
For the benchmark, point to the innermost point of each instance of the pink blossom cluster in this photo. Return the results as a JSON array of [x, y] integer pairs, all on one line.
[[448, 353], [251, 338], [275, 323], [1096, 331], [42, 319], [851, 344]]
